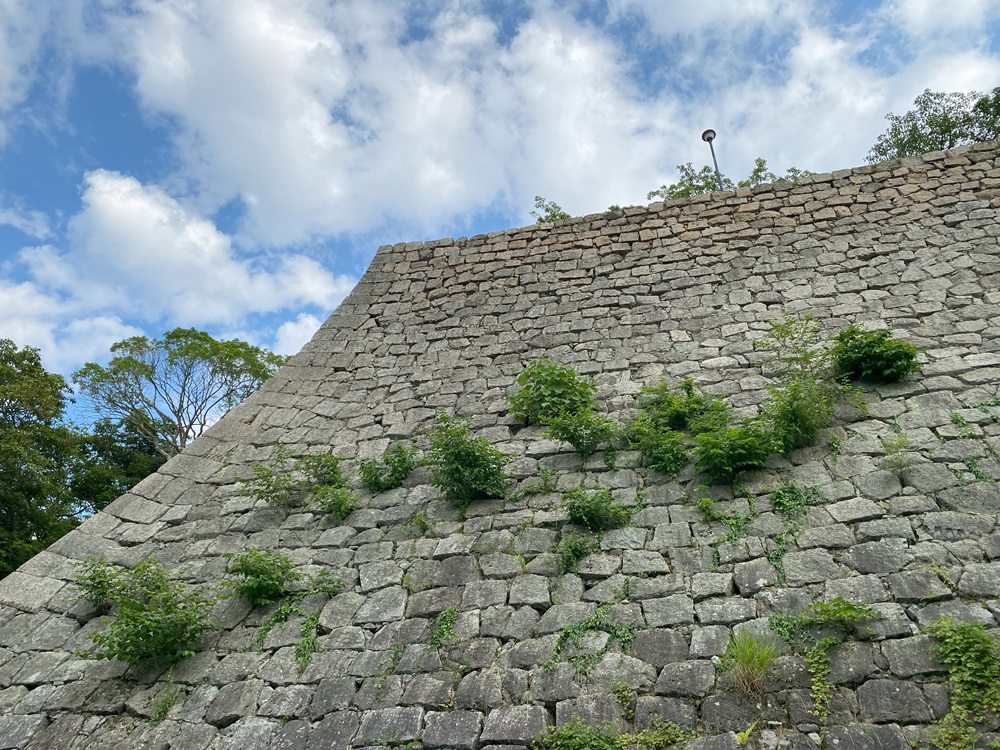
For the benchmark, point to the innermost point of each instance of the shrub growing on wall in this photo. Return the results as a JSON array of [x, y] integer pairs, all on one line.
[[549, 390], [873, 355], [156, 618], [464, 468]]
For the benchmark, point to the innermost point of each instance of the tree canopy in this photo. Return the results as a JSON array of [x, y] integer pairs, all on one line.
[[169, 390], [696, 182], [939, 121], [36, 505]]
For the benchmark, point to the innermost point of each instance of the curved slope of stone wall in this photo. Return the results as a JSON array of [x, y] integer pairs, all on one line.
[[674, 290]]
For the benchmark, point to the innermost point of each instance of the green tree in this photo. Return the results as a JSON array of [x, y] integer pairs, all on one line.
[[169, 390], [694, 182], [939, 121], [36, 505], [107, 462]]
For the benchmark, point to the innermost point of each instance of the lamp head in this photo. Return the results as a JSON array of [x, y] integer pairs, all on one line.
[[708, 136]]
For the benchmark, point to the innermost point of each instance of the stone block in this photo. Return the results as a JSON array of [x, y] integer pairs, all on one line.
[[26, 592], [660, 647], [689, 679], [753, 575], [391, 725], [452, 729], [677, 609], [515, 725], [530, 590], [891, 701], [980, 581]]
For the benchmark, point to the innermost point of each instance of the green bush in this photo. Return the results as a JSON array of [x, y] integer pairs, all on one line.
[[663, 448], [723, 453], [263, 576], [577, 734], [797, 411], [335, 502], [572, 549], [275, 482], [390, 471], [791, 500], [549, 390], [321, 469], [748, 658], [156, 618], [596, 509], [272, 482], [585, 431], [973, 659], [873, 355], [682, 410], [464, 468]]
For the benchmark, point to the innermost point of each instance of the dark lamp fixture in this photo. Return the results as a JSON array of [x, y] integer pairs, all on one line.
[[708, 136]]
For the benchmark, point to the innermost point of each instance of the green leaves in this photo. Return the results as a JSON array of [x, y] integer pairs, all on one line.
[[263, 576], [873, 355], [596, 509], [548, 211], [156, 618], [390, 471], [939, 121], [171, 389], [550, 390], [464, 468]]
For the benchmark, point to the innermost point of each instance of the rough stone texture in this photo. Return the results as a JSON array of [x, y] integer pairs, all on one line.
[[670, 291]]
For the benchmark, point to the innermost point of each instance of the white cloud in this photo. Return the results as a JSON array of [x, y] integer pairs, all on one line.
[[13, 213], [164, 261], [292, 335], [933, 20]]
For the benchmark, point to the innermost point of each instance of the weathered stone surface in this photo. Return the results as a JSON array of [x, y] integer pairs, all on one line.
[[390, 725], [688, 679], [911, 656], [867, 737], [516, 725], [890, 701], [452, 729], [660, 647]]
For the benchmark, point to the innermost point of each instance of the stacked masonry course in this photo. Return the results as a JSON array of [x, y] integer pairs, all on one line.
[[674, 290]]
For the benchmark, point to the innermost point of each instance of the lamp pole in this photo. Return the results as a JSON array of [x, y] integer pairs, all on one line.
[[708, 136]]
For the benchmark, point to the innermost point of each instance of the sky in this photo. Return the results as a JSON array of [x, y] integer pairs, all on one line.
[[232, 165]]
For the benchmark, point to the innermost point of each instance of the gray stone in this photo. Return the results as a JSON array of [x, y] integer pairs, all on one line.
[[292, 735], [390, 725], [811, 566], [639, 562], [856, 509], [559, 616], [26, 592], [378, 575], [980, 581], [529, 590], [332, 694], [515, 725], [660, 647], [874, 557], [457, 571], [600, 709], [481, 690], [866, 737], [912, 656], [709, 641], [15, 731], [890, 701], [249, 733], [452, 729], [878, 485], [753, 575], [677, 609], [649, 708], [233, 702], [431, 602], [917, 586], [885, 528], [858, 589], [851, 663], [704, 585], [482, 594], [728, 712], [689, 679]]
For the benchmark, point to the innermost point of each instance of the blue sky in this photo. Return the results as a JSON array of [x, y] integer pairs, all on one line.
[[232, 165]]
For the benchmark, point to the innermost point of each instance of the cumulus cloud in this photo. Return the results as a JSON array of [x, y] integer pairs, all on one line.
[[157, 259], [14, 213], [292, 335]]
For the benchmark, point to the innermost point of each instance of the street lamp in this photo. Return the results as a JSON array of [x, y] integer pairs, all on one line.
[[708, 136]]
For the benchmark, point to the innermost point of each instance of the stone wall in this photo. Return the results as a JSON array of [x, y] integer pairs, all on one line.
[[672, 291]]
